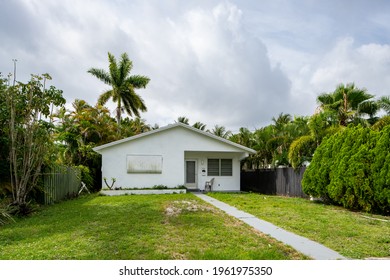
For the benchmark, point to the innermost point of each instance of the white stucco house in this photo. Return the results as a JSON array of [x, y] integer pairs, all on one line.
[[172, 156]]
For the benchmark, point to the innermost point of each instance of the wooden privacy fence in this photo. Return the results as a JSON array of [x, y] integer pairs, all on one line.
[[280, 181], [59, 183]]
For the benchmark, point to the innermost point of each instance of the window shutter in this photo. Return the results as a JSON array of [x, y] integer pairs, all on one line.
[[213, 167], [226, 167]]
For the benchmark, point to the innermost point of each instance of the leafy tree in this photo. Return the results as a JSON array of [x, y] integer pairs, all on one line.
[[285, 131], [130, 127], [29, 129], [349, 103], [263, 155], [82, 129], [243, 137], [123, 86], [281, 121], [302, 148]]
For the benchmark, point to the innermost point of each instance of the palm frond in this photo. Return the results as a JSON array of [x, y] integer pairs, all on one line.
[[384, 103], [138, 81], [133, 103], [103, 98], [183, 119], [123, 85], [325, 99], [368, 107], [125, 66], [113, 69], [101, 74], [381, 123]]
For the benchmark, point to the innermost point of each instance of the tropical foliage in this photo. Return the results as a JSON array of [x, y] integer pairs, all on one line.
[[33, 132], [351, 168], [123, 86], [36, 129], [350, 104], [29, 128]]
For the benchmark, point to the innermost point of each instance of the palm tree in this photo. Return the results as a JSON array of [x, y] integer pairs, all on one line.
[[221, 131], [199, 125], [123, 86], [184, 120], [384, 103], [349, 102], [281, 121], [139, 126]]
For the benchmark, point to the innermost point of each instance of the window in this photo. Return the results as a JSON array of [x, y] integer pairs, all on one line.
[[226, 167], [144, 164], [212, 167], [219, 167]]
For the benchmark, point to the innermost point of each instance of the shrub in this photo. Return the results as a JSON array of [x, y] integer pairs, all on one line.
[[351, 168], [381, 172]]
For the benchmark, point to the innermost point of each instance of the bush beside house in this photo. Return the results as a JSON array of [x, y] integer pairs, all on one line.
[[351, 168]]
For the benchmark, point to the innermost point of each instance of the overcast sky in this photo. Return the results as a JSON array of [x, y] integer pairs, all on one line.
[[231, 63]]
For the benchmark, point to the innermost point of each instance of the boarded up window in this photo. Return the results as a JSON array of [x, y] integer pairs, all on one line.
[[144, 164]]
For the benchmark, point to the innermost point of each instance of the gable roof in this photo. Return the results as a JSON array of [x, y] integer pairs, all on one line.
[[145, 134]]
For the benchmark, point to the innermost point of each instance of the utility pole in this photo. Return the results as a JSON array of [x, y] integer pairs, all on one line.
[[14, 60]]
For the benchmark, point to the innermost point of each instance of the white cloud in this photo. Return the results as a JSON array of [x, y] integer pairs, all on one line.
[[366, 65], [211, 70], [233, 63]]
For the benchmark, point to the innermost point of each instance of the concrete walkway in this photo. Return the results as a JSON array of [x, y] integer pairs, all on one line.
[[306, 246]]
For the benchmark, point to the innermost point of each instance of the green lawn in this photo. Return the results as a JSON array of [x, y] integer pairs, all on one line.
[[139, 227], [353, 234]]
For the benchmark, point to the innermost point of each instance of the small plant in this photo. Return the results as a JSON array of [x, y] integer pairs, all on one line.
[[21, 210], [5, 217], [112, 183], [159, 187]]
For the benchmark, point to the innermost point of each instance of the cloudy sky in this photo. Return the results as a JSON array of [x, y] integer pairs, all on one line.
[[227, 62]]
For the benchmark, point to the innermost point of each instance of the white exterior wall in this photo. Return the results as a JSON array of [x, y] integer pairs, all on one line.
[[221, 183], [174, 145]]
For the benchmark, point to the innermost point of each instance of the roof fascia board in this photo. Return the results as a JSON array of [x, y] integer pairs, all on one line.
[[250, 151]]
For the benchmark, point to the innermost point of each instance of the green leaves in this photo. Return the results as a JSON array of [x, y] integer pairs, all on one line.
[[347, 101], [351, 168], [28, 129], [123, 86]]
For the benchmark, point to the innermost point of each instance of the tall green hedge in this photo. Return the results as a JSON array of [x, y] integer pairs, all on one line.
[[352, 168]]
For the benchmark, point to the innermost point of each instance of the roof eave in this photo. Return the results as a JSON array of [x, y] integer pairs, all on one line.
[[246, 149]]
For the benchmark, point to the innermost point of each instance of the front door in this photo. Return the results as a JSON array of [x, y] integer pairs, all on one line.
[[191, 174]]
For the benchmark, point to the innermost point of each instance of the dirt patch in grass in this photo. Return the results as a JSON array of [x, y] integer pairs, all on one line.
[[179, 206]]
